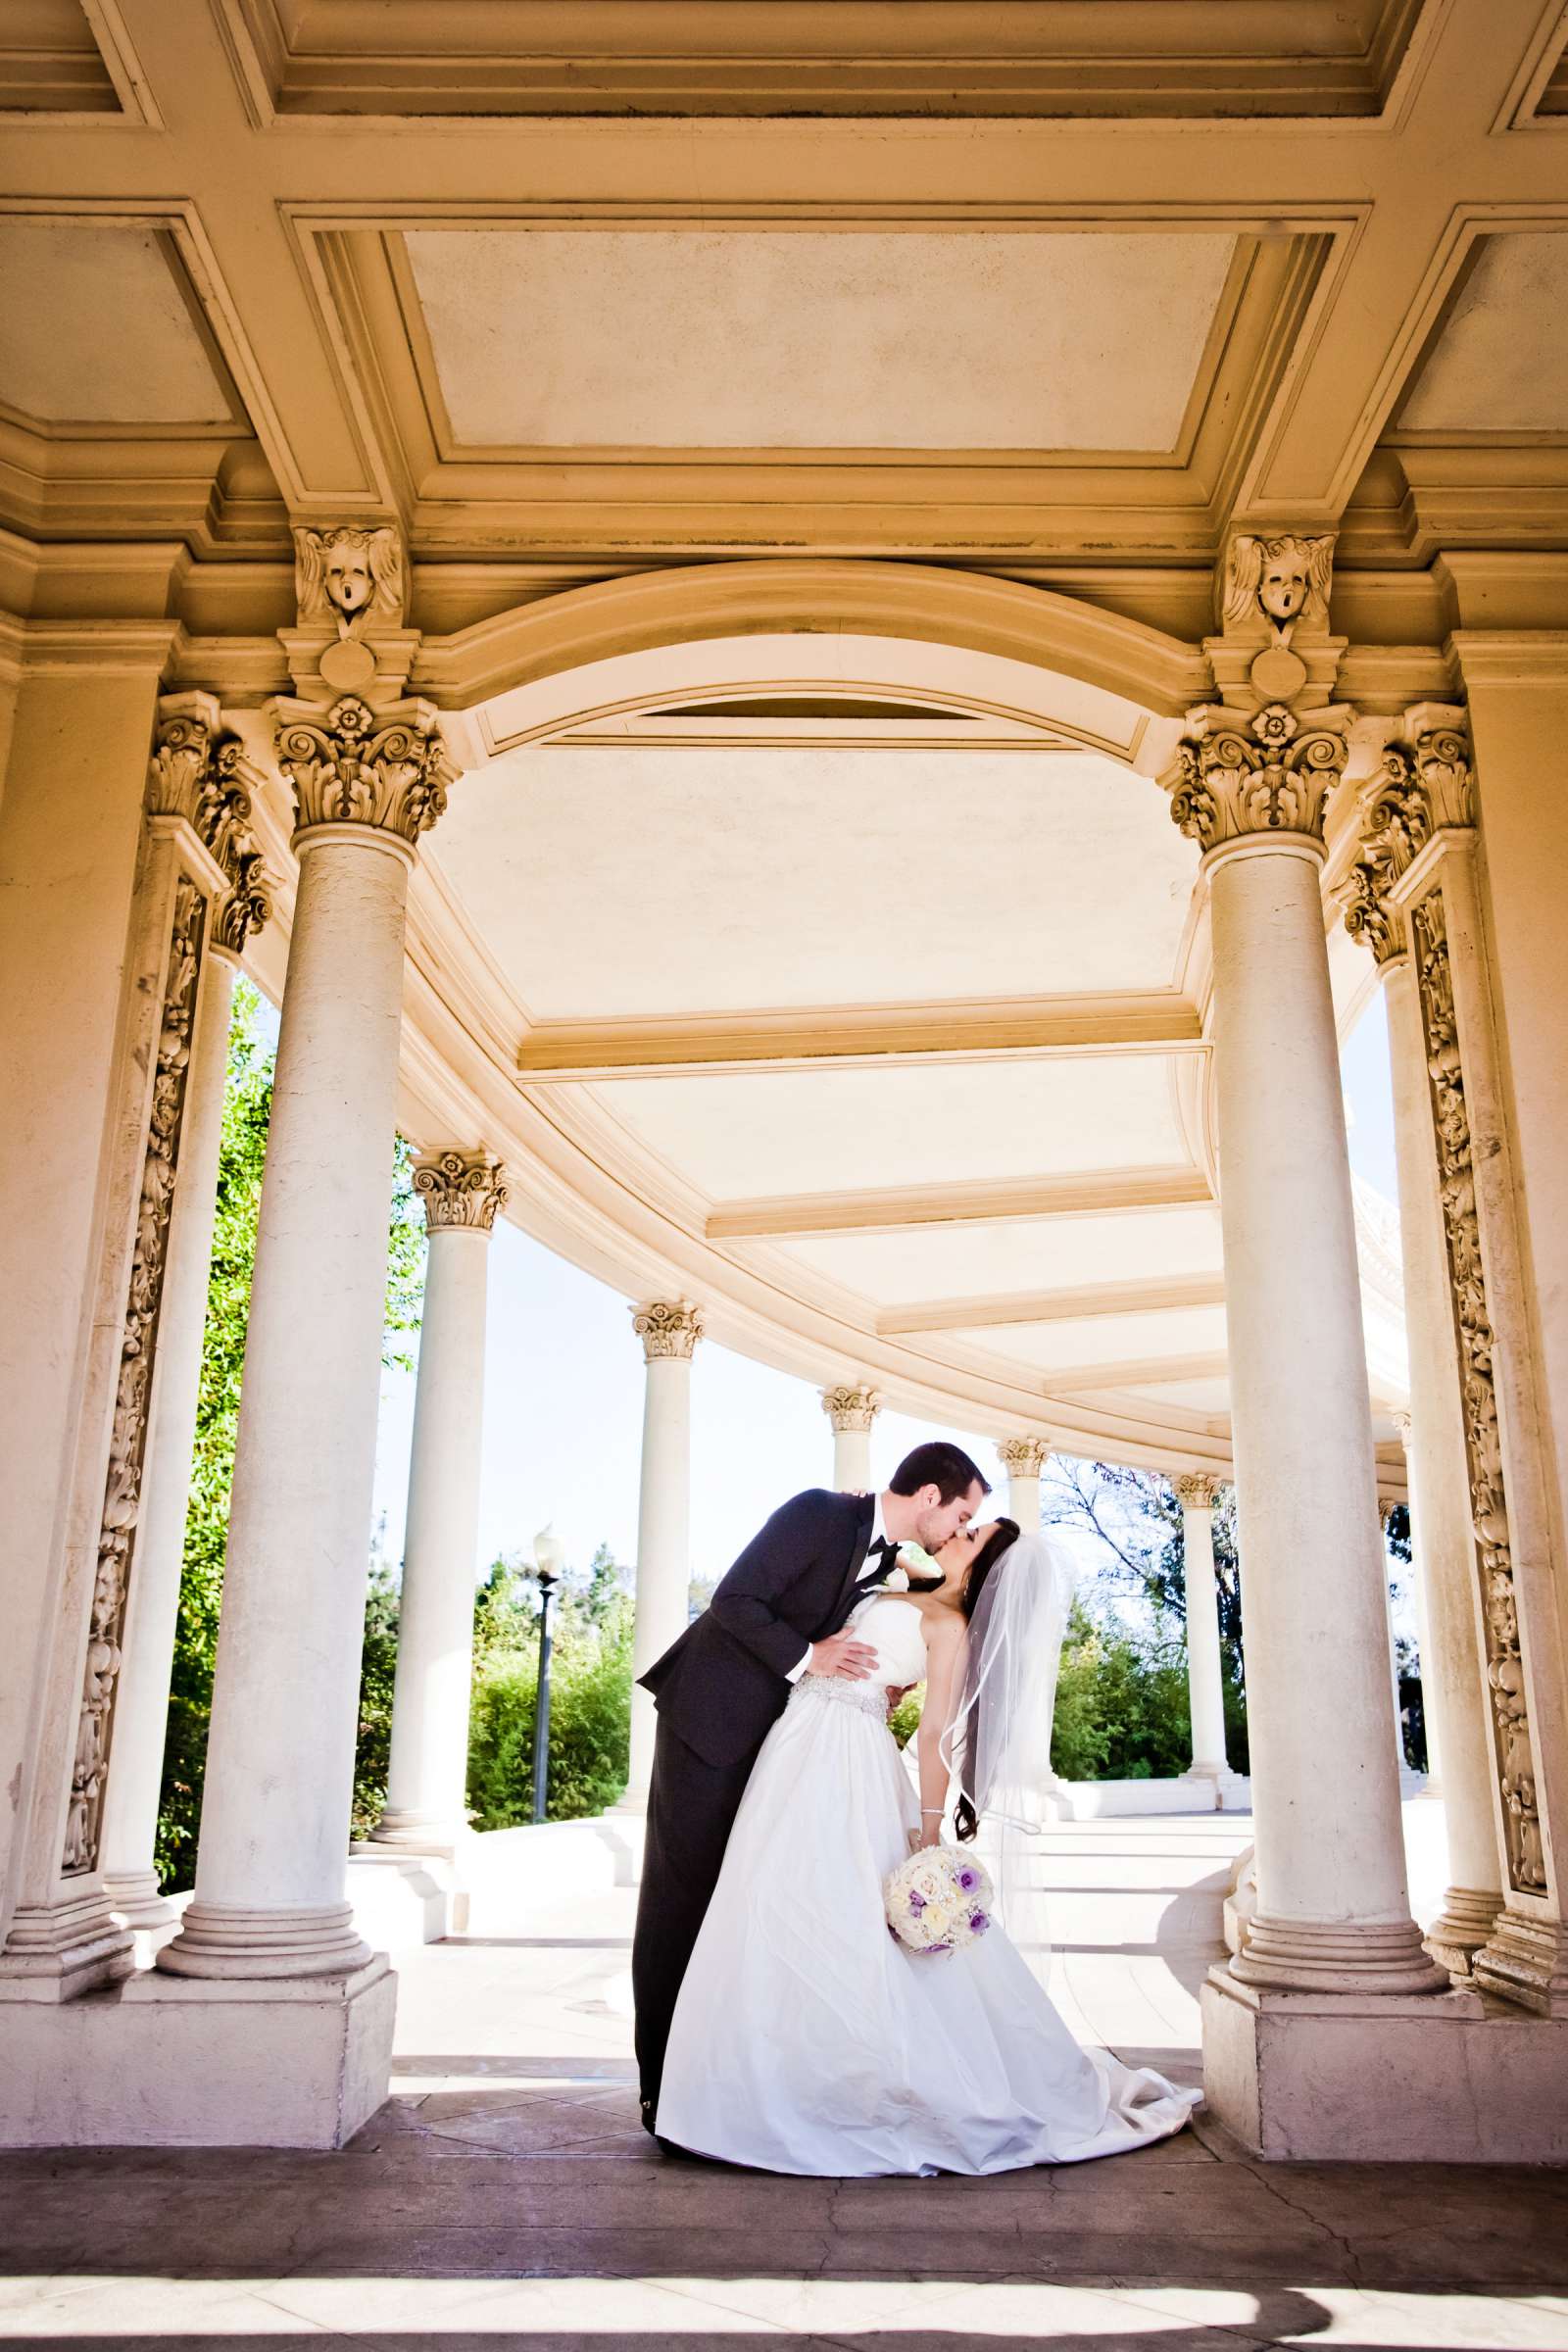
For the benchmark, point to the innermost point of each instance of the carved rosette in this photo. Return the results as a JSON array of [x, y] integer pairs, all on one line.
[[852, 1406], [1023, 1457], [1512, 1741], [668, 1326], [461, 1191], [138, 1342], [351, 764], [1238, 776], [1197, 1491], [1424, 786]]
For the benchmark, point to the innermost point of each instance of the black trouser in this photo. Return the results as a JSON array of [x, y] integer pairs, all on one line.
[[691, 1809]]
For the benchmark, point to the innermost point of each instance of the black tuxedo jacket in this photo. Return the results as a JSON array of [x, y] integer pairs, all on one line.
[[722, 1686]]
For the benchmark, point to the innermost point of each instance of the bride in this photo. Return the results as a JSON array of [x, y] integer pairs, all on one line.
[[805, 2037]]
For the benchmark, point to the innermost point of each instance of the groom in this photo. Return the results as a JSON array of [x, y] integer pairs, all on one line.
[[720, 1688]]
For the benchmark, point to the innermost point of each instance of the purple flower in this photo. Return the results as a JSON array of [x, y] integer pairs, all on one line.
[[917, 1903], [966, 1880], [978, 1923]]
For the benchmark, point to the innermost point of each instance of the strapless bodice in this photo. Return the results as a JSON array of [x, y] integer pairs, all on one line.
[[892, 1627]]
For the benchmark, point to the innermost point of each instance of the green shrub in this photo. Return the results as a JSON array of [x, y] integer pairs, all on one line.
[[590, 1705]]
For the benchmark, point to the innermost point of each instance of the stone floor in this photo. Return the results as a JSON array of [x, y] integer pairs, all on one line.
[[506, 2190]]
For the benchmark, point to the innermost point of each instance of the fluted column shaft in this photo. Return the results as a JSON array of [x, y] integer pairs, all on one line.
[[670, 1331], [851, 1409], [427, 1774], [1023, 1459], [268, 1899], [1333, 1904], [147, 1650], [1206, 1679]]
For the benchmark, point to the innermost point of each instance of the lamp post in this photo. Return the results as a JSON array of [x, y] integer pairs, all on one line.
[[549, 1561]]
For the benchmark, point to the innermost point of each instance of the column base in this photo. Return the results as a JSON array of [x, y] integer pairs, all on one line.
[[1462, 1927], [1524, 1960], [1301, 1955], [421, 1833], [1445, 2078], [235, 1942], [401, 1895], [161, 2063], [57, 1952], [137, 1902]]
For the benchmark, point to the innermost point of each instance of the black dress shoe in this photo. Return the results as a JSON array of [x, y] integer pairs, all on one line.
[[648, 2108]]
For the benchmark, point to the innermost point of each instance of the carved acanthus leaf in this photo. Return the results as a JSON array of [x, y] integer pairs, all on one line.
[[1023, 1457], [1271, 772], [354, 766], [853, 1406], [1196, 1490], [461, 1190], [668, 1326]]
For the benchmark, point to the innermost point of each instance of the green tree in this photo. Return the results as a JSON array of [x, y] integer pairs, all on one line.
[[247, 1108], [590, 1693]]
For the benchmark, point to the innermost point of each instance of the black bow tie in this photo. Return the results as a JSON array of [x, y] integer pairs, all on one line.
[[880, 1561]]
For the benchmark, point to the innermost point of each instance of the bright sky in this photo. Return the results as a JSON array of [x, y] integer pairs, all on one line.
[[564, 1395]]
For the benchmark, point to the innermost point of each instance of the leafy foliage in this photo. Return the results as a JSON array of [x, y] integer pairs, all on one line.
[[590, 1693], [246, 1109]]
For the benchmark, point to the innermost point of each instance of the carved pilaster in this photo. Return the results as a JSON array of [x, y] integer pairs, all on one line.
[[1023, 1457], [350, 765], [852, 1406], [1197, 1491], [668, 1326], [1423, 788], [122, 1505], [1512, 1738], [1270, 771], [195, 773], [461, 1190]]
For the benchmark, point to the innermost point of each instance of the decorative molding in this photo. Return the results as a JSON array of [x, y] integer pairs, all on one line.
[[1238, 776], [195, 773], [127, 1444], [1093, 1193], [351, 764], [1512, 1739], [461, 1191], [1424, 786], [1155, 1294], [668, 1326], [1023, 1457], [1196, 1491], [852, 1406]]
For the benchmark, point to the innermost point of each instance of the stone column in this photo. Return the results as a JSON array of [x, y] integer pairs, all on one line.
[[1023, 1459], [426, 1798], [669, 1330], [147, 1644], [1206, 1679], [1332, 1910], [851, 1409], [268, 1899], [1474, 1398]]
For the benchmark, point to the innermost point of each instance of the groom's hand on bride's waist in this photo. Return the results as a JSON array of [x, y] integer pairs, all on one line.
[[842, 1655]]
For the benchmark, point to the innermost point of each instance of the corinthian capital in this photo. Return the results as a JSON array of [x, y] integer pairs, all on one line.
[[852, 1406], [1023, 1457], [668, 1326], [196, 772], [1196, 1491], [1238, 776], [461, 1190], [1424, 787], [183, 736], [351, 764]]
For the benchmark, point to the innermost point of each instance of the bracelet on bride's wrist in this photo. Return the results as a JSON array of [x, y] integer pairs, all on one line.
[[938, 1810]]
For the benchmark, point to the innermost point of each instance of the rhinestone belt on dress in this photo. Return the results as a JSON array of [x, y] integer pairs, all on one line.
[[871, 1698]]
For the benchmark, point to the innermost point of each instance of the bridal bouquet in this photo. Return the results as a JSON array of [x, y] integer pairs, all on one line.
[[938, 1900]]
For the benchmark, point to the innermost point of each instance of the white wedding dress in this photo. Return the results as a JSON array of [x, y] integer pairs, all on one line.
[[807, 2039]]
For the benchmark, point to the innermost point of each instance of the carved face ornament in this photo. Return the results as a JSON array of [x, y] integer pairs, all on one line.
[[349, 585], [1282, 590]]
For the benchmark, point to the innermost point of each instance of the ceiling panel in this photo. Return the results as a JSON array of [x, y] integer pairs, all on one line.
[[94, 329], [1056, 1347], [1500, 364], [774, 339], [900, 1269]]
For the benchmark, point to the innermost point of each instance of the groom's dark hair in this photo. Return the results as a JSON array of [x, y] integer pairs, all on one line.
[[938, 1464]]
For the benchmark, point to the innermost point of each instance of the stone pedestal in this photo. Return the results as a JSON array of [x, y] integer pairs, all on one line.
[[1443, 2079], [161, 2062], [851, 1409], [669, 1330], [1023, 1459]]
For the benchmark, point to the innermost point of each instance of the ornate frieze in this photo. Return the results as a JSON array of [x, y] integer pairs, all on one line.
[[1023, 1457], [668, 1326], [461, 1190], [852, 1406], [1197, 1491], [1238, 774], [350, 765], [1424, 786], [1512, 1739], [128, 1435]]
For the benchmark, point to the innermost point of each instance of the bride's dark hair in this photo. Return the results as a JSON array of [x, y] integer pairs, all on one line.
[[965, 1820]]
